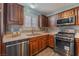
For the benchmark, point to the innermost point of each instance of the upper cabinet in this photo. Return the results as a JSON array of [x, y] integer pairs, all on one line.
[[43, 21], [14, 13], [0, 5], [66, 14], [77, 15]]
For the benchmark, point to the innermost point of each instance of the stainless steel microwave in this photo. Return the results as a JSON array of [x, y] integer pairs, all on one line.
[[66, 21]]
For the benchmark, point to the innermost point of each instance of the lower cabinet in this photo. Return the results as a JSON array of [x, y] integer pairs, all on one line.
[[77, 47], [51, 41], [0, 49], [37, 44], [33, 46]]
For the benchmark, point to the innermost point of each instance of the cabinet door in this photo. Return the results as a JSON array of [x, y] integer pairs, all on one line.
[[77, 19], [3, 49], [77, 48], [36, 46], [45, 41], [11, 13], [0, 49], [40, 44], [0, 5], [0, 29], [14, 13], [71, 12], [51, 41], [65, 14], [33, 47], [20, 14], [44, 21]]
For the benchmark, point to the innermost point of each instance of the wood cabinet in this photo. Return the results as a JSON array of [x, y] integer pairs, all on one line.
[[0, 49], [37, 44], [43, 21], [51, 41], [66, 14], [3, 49], [14, 13], [77, 46], [0, 25], [33, 46], [77, 15], [44, 41], [20, 14], [0, 5]]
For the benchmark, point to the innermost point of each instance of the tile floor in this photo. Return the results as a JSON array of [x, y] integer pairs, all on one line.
[[48, 52]]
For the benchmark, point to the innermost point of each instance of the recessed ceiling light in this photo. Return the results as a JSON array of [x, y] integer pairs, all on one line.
[[32, 5]]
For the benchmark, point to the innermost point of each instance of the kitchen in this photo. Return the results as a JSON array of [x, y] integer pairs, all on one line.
[[39, 29]]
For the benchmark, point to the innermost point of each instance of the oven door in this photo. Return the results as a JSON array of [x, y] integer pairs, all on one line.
[[64, 47]]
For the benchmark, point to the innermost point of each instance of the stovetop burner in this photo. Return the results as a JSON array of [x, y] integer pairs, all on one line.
[[65, 36]]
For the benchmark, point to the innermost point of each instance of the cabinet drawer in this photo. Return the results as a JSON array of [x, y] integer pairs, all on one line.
[[32, 39]]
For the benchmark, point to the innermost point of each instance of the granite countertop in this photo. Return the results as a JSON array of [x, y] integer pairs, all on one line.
[[77, 35], [23, 36]]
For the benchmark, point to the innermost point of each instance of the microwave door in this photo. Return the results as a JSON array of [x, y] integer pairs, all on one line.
[[72, 20]]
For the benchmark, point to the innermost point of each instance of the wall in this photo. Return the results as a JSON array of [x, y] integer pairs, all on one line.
[[53, 28]]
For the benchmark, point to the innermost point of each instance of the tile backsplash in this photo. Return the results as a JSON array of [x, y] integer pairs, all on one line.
[[13, 28], [57, 29]]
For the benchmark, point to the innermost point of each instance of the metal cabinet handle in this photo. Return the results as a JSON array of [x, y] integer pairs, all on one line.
[[13, 44], [17, 43]]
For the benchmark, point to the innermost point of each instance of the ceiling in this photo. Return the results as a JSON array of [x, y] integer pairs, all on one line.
[[47, 8]]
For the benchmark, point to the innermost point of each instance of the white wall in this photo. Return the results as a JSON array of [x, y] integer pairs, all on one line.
[[52, 20]]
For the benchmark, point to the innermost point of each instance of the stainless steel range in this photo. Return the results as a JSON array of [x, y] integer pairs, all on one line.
[[64, 43]]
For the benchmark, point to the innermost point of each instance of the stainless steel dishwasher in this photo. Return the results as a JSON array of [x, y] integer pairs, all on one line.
[[14, 49], [25, 48]]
